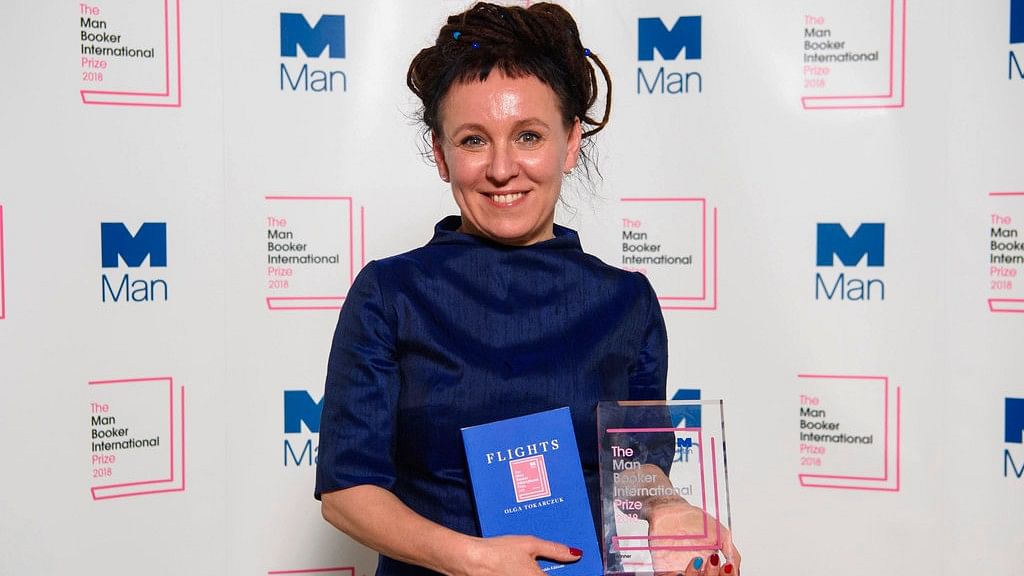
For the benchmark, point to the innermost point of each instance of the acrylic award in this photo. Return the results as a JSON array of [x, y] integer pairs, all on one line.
[[664, 489]]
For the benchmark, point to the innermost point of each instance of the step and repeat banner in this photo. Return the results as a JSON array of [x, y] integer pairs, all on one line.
[[828, 197]]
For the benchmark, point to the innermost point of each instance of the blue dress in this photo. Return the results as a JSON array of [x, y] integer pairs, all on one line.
[[465, 331]]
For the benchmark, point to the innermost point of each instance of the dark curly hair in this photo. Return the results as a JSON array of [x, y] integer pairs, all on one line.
[[541, 41]]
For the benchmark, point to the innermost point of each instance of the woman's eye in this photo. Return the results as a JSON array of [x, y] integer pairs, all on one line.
[[529, 137], [472, 141]]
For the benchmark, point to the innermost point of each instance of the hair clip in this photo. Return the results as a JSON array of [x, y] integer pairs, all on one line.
[[476, 45], [456, 34], [586, 51]]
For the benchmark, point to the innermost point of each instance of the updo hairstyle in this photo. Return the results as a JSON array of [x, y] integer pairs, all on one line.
[[541, 41]]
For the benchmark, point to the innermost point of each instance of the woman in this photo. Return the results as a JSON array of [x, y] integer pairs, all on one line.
[[501, 314]]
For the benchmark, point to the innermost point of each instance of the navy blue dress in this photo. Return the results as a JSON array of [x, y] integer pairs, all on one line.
[[465, 331]]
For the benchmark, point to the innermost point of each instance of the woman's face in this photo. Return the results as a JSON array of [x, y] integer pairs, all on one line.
[[504, 149]]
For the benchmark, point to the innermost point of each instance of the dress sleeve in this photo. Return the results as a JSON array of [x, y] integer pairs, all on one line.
[[357, 425], [648, 378]]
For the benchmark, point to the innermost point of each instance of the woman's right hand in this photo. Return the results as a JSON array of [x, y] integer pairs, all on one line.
[[504, 555], [376, 518]]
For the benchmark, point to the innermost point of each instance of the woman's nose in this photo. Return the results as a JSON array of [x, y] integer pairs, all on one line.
[[503, 164]]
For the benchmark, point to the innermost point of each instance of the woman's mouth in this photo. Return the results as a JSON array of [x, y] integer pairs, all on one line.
[[506, 199]]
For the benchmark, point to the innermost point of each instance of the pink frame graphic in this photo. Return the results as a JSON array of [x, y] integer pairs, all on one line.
[[1006, 305], [699, 302], [542, 490], [165, 99], [857, 482], [3, 278], [616, 540], [175, 478], [333, 301], [347, 570], [888, 100]]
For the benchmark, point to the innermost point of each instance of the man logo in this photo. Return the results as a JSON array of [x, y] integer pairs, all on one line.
[[685, 416], [652, 34], [1016, 37], [329, 32], [1014, 420], [869, 240], [300, 409], [1016, 21], [1013, 434], [867, 243], [118, 243], [688, 415]]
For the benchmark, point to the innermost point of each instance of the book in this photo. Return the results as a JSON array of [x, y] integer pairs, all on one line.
[[527, 479]]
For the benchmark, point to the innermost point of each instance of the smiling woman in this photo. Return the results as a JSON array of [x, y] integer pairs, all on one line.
[[504, 148], [501, 314]]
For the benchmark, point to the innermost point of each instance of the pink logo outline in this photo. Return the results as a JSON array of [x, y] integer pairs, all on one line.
[[328, 302], [530, 470], [703, 499], [845, 482], [701, 301], [862, 101], [127, 489], [347, 570], [149, 99], [3, 277], [1006, 305]]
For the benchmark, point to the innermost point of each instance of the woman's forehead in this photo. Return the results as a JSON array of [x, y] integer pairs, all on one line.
[[500, 98]]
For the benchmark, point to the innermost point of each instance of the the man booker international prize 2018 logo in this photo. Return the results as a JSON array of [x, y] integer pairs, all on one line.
[[683, 37], [327, 35], [301, 411], [866, 243], [1014, 434], [1016, 37], [118, 245]]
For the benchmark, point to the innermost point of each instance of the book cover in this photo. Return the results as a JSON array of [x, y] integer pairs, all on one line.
[[527, 479]]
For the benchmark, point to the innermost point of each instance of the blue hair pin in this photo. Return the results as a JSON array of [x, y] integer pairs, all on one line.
[[476, 45], [456, 34], [586, 51]]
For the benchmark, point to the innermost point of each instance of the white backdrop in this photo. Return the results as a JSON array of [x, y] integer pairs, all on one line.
[[795, 114]]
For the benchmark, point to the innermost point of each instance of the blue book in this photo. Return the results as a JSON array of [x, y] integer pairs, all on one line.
[[527, 479]]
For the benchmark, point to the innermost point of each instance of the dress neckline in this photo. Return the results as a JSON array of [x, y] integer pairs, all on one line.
[[447, 232]]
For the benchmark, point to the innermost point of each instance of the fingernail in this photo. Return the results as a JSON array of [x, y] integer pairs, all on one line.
[[727, 569], [697, 563], [713, 559], [575, 552]]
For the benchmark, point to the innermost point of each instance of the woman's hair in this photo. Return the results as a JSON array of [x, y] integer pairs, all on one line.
[[541, 41]]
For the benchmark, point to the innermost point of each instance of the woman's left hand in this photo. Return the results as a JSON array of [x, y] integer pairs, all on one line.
[[676, 517]]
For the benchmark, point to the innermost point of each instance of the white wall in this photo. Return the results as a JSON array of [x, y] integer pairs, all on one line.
[[735, 174]]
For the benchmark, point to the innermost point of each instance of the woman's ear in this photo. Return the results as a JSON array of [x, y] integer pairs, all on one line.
[[572, 151], [442, 164]]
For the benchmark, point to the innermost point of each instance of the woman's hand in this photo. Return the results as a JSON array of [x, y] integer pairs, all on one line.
[[377, 518], [504, 555], [675, 517]]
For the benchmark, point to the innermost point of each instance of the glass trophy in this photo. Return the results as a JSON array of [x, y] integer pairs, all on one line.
[[664, 489]]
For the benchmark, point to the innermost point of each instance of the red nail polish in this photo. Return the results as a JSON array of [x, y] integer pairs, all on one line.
[[727, 569], [713, 559], [576, 552]]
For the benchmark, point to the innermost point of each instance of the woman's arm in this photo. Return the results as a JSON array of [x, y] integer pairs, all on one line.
[[376, 518]]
